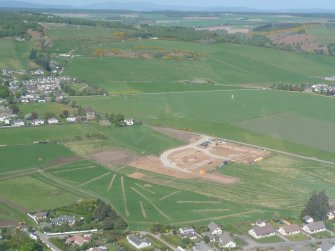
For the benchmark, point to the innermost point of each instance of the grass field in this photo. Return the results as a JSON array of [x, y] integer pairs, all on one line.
[[20, 157], [14, 54], [140, 139], [221, 63], [220, 113], [43, 108]]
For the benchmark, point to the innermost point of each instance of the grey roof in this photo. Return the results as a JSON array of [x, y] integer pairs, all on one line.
[[190, 235], [41, 214], [291, 228], [314, 226], [225, 238], [267, 229], [202, 247], [326, 246], [212, 226], [138, 241]]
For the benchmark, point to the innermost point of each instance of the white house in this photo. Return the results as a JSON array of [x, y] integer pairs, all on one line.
[[314, 227], [308, 219], [227, 241], [214, 229], [53, 121], [19, 123], [71, 119], [41, 101], [188, 232], [289, 229], [38, 122], [138, 242], [262, 232], [129, 122]]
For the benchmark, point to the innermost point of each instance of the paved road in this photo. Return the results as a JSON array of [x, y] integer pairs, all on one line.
[[45, 240]]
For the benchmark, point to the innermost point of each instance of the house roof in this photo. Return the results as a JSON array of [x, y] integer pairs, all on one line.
[[291, 228], [326, 246], [41, 214], [260, 221], [316, 226], [190, 234], [225, 238], [212, 226], [78, 239], [138, 241], [267, 229]]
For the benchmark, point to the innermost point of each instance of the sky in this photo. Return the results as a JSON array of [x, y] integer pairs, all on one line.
[[256, 4]]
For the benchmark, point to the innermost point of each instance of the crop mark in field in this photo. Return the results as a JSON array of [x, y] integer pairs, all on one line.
[[219, 217], [111, 183], [95, 179], [74, 169], [153, 204], [124, 197], [197, 202], [210, 210], [145, 216], [169, 195], [146, 189]]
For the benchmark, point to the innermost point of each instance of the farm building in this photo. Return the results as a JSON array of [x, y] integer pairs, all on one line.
[[226, 241]]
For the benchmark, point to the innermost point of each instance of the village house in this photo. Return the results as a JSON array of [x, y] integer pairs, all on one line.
[[211, 237], [214, 229], [37, 122], [331, 213], [314, 227], [226, 241], [90, 116], [71, 119], [137, 242], [289, 229], [19, 123], [188, 232], [326, 246], [202, 247], [39, 216], [308, 219], [129, 122], [53, 121], [262, 232], [63, 219], [78, 240]]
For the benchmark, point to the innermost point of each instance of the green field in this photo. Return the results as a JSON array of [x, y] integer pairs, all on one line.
[[42, 108], [14, 54], [221, 63], [221, 113], [20, 157]]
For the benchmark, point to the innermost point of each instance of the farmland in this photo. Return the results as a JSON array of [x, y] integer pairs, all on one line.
[[222, 114], [209, 87]]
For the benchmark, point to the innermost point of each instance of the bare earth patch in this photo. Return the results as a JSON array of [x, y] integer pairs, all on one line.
[[136, 175], [113, 157]]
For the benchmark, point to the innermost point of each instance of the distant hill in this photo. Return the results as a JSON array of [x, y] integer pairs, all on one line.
[[146, 6], [29, 5]]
